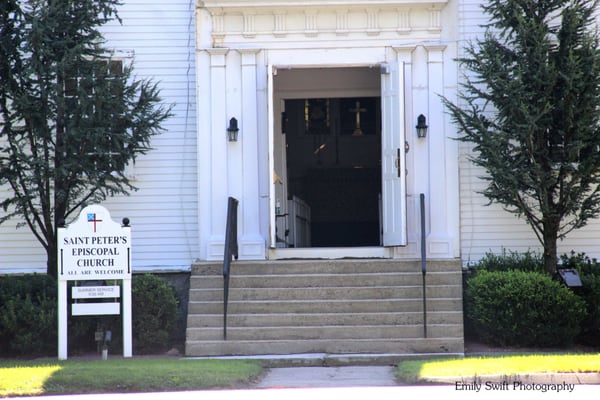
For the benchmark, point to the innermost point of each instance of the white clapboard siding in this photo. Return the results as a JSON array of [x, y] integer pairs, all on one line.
[[489, 228], [163, 212]]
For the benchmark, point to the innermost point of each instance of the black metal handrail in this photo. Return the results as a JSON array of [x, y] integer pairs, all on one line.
[[423, 263], [231, 249]]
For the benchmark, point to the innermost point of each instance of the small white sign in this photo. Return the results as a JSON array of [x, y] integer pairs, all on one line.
[[96, 308], [95, 292]]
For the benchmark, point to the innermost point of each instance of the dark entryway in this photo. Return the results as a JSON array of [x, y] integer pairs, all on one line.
[[333, 151]]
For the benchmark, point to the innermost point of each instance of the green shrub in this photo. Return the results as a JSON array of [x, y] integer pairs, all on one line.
[[522, 308], [579, 261], [509, 260], [154, 314], [154, 320], [589, 272], [28, 315], [590, 293]]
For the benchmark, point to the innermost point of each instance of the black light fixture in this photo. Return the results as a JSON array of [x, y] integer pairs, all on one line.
[[232, 130], [421, 126]]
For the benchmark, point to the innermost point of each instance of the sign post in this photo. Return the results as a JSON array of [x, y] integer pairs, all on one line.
[[94, 248]]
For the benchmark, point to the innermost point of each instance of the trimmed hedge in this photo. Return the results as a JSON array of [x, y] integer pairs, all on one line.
[[28, 315], [520, 308], [509, 260], [154, 314], [28, 318]]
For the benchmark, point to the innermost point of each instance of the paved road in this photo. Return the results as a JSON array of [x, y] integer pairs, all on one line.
[[582, 392]]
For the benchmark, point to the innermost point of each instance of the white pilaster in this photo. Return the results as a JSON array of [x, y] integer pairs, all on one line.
[[251, 243], [440, 238], [420, 150], [452, 154], [265, 154], [232, 93], [218, 155], [204, 168]]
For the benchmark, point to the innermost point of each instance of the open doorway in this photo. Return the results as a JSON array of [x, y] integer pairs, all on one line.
[[333, 153], [337, 158]]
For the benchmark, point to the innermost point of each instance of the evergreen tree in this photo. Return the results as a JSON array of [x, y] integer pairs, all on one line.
[[530, 106], [71, 117]]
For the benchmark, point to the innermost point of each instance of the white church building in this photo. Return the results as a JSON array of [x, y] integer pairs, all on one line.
[[327, 163], [324, 98]]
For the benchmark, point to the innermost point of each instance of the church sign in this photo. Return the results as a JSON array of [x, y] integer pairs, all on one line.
[[94, 248]]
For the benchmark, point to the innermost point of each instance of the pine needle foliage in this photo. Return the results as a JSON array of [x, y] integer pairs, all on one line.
[[530, 105], [72, 116]]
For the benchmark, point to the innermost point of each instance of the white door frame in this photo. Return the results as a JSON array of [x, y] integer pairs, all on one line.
[[392, 95]]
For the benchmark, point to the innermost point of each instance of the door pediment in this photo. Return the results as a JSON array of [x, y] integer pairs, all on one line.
[[278, 4], [245, 21]]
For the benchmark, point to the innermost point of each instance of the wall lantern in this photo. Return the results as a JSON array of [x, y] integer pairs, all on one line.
[[421, 126], [232, 130]]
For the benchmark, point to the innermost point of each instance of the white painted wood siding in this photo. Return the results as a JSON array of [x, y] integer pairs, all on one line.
[[490, 228], [163, 212]]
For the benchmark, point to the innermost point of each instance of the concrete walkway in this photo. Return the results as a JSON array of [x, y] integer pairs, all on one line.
[[327, 377], [383, 376]]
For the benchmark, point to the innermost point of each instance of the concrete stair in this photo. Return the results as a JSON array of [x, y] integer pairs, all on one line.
[[326, 306]]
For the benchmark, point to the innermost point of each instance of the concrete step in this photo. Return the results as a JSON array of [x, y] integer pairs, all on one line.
[[326, 293], [325, 332], [325, 267], [312, 319], [312, 306], [331, 360], [327, 280], [444, 345]]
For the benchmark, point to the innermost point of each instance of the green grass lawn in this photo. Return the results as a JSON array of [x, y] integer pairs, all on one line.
[[27, 378], [115, 376], [505, 365]]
